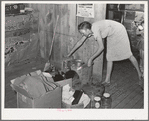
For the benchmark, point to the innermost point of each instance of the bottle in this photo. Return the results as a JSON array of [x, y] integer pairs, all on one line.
[[106, 100], [97, 103], [92, 100]]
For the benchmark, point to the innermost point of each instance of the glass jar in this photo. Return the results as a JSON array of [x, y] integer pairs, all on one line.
[[106, 100], [97, 102]]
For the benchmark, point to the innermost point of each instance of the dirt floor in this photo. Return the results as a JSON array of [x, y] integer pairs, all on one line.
[[124, 89]]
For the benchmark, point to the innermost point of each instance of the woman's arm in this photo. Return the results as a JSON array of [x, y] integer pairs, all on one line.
[[99, 50], [100, 47], [77, 45]]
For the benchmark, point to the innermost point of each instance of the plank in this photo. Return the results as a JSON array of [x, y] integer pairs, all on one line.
[[85, 52], [139, 104], [11, 104], [71, 27], [12, 100], [100, 8], [121, 86], [131, 103], [118, 86], [120, 76], [122, 96], [72, 19], [64, 27], [79, 36], [131, 98], [71, 45], [10, 97], [95, 71], [42, 29], [57, 49], [23, 69], [49, 28], [119, 89]]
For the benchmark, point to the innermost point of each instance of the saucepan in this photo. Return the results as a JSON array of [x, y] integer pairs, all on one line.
[[79, 63]]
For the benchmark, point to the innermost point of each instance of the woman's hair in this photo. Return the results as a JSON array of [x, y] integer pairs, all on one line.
[[84, 25]]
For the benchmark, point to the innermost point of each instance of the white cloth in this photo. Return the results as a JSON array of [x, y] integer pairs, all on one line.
[[84, 99], [67, 96]]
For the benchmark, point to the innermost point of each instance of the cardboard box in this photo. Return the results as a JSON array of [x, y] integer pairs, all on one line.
[[65, 82], [65, 105], [51, 99]]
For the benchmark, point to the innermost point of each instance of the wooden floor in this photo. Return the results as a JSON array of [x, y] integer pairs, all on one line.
[[124, 90]]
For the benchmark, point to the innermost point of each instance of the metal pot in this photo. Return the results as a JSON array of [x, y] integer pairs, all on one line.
[[79, 63]]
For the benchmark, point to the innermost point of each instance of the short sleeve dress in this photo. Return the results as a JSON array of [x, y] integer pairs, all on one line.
[[118, 45]]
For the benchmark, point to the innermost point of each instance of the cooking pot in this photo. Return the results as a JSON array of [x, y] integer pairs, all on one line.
[[79, 63]]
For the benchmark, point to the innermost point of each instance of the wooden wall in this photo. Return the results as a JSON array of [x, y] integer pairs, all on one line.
[[66, 33], [91, 46], [21, 38]]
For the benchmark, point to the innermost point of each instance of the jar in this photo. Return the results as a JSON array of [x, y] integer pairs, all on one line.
[[97, 102], [92, 100], [106, 100]]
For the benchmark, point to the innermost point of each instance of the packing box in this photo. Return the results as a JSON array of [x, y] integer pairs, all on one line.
[[65, 105], [65, 82], [51, 99]]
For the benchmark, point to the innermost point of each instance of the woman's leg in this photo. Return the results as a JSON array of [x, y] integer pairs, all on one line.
[[109, 70], [141, 61], [135, 64]]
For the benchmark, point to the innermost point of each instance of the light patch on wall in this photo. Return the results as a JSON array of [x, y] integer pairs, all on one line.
[[48, 18]]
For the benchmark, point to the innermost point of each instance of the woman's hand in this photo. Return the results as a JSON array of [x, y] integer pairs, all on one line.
[[68, 57]]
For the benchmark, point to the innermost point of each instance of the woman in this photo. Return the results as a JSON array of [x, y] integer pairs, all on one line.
[[118, 45]]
